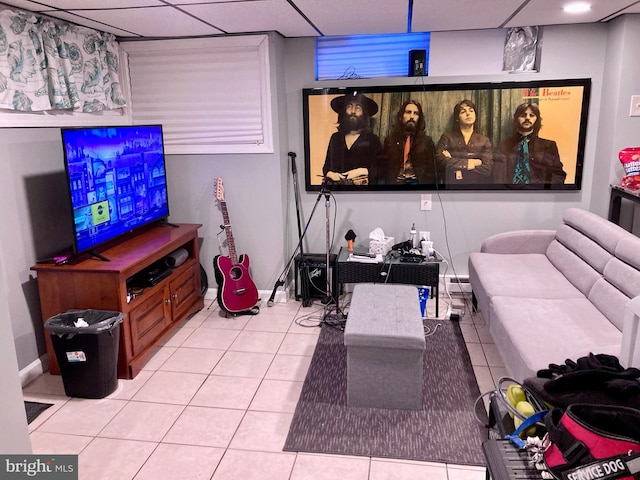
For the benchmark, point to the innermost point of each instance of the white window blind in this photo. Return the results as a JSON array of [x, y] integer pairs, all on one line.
[[211, 95], [367, 56]]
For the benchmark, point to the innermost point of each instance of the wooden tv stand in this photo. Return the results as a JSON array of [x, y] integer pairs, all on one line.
[[88, 282]]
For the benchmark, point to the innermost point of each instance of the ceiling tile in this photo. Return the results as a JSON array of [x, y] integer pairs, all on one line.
[[256, 16], [70, 17], [433, 16], [99, 4], [25, 5], [152, 21], [356, 17], [549, 12]]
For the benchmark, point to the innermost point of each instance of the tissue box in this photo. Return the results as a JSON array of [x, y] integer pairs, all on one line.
[[381, 246]]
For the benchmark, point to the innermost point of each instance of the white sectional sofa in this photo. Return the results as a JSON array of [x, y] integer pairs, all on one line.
[[552, 295]]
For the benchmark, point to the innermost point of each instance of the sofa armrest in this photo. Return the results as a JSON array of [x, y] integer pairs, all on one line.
[[630, 348], [519, 241]]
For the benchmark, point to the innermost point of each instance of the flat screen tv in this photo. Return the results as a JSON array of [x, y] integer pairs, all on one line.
[[117, 181]]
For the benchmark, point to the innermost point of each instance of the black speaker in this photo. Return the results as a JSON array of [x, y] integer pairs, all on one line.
[[417, 63], [311, 270]]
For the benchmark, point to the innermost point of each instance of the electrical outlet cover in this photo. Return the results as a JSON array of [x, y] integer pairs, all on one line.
[[425, 201]]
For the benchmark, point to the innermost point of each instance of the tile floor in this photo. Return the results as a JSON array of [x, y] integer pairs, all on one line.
[[215, 402]]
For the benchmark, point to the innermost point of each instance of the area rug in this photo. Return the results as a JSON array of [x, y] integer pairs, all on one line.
[[34, 409], [445, 430]]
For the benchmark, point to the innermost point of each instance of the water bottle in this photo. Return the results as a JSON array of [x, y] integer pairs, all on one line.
[[413, 236]]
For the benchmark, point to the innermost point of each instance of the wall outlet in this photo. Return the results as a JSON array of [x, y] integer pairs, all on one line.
[[425, 201], [634, 111], [424, 235]]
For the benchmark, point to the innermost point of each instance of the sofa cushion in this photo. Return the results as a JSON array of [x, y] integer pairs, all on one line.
[[600, 230], [523, 275], [528, 343], [576, 271]]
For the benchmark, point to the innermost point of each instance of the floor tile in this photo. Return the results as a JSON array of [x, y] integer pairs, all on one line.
[[82, 416], [477, 354], [177, 337], [56, 401], [298, 344], [330, 467], [492, 355], [259, 342], [226, 392], [498, 372], [113, 459], [483, 333], [469, 333], [160, 355], [277, 396], [263, 431], [223, 323], [269, 323], [142, 421], [208, 427], [242, 465], [192, 360], [217, 339], [170, 387], [397, 470], [181, 462], [126, 389], [243, 364], [47, 384], [289, 367], [58, 443], [463, 472]]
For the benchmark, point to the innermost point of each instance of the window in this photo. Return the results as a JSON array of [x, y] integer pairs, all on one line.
[[211, 95], [368, 56]]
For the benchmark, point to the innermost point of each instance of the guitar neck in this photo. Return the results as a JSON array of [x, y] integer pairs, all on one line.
[[227, 229]]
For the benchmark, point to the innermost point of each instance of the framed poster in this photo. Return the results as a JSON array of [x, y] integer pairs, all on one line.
[[476, 136]]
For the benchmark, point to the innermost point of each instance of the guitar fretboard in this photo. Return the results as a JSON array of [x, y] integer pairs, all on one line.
[[227, 229]]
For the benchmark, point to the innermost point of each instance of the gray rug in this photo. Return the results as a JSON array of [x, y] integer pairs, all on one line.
[[445, 430], [33, 409]]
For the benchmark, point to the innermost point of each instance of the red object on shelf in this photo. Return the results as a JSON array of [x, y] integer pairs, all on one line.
[[630, 159]]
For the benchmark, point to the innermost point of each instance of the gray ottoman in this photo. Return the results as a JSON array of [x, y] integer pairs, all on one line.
[[385, 344]]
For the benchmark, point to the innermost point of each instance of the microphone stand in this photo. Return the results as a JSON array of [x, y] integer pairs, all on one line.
[[285, 273], [327, 298]]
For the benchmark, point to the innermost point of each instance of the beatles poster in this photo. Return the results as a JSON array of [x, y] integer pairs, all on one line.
[[486, 136]]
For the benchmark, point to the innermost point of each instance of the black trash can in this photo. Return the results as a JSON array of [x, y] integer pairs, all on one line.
[[86, 346]]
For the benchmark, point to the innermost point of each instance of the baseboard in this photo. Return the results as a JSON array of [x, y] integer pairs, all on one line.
[[282, 296], [32, 371], [458, 284]]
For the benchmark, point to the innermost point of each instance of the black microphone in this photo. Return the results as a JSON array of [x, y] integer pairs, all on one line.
[[293, 162]]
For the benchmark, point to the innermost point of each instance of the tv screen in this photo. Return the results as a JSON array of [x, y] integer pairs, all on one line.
[[117, 181]]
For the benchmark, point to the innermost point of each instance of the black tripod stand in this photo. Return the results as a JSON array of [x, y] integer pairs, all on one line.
[[301, 234]]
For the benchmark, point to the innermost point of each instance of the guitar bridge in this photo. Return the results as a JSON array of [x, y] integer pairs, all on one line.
[[240, 291]]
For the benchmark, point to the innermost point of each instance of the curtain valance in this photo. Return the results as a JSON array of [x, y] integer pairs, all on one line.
[[47, 65]]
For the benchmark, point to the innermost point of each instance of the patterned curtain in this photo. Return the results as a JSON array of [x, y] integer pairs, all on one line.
[[56, 66]]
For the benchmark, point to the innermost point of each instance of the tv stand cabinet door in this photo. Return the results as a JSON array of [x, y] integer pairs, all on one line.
[[148, 321], [185, 292]]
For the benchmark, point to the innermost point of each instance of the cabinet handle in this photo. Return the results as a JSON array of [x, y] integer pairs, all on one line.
[[168, 301], [175, 297]]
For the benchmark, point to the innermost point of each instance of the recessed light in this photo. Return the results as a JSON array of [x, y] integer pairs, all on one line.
[[577, 7]]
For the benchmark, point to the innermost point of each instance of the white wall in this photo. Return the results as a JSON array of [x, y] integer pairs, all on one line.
[[459, 221]]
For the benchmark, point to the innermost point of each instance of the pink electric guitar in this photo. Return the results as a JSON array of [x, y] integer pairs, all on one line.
[[236, 290]]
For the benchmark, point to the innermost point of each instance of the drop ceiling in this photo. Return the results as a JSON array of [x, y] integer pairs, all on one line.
[[310, 18]]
